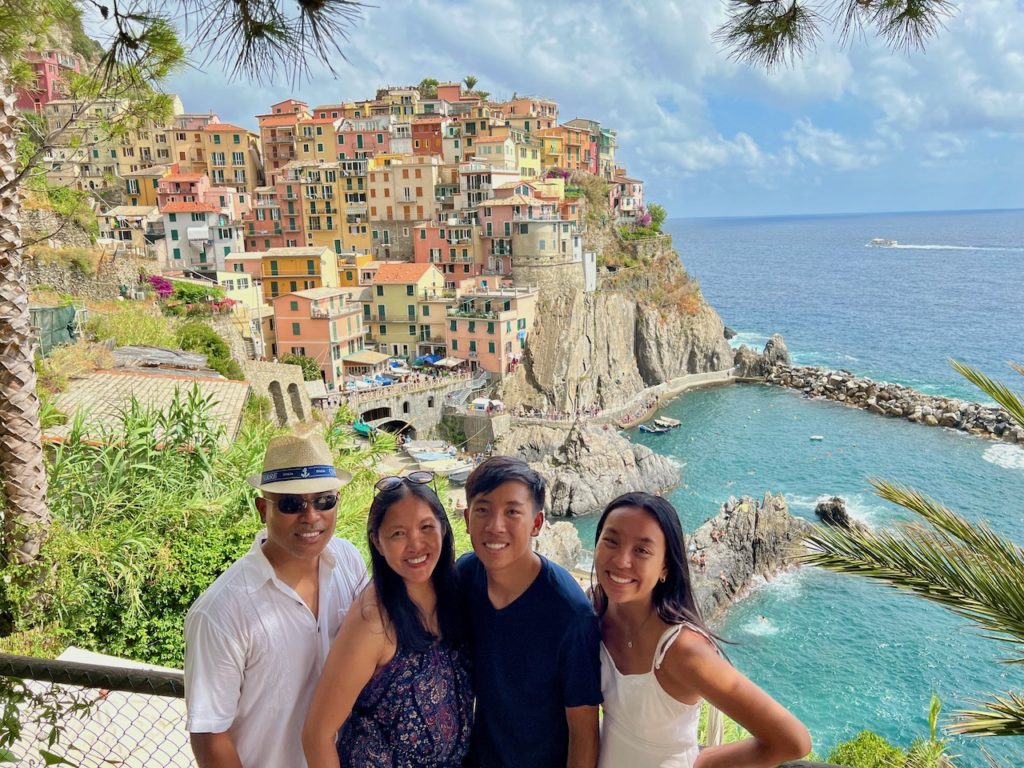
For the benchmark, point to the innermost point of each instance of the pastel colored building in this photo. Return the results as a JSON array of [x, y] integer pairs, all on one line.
[[51, 71], [200, 235], [477, 182], [397, 317], [362, 137], [497, 151], [626, 197], [489, 325], [286, 270], [530, 114], [349, 266], [279, 134], [142, 187], [454, 246], [321, 323], [136, 228], [316, 140], [232, 155], [263, 222]]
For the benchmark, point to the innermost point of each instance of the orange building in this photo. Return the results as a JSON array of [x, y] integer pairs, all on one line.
[[489, 325]]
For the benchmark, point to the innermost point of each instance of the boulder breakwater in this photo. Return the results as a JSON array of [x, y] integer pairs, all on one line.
[[773, 366]]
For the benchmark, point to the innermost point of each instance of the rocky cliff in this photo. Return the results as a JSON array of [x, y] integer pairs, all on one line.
[[588, 466], [643, 326], [746, 542]]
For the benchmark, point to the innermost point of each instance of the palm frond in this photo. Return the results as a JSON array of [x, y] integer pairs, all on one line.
[[1003, 715], [977, 536], [972, 584], [1002, 394]]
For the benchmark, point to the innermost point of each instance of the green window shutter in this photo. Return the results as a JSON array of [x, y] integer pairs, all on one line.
[[172, 217], [294, 286], [294, 306], [174, 234], [472, 345], [177, 253], [455, 345], [236, 138], [426, 310], [490, 347], [490, 328], [453, 325], [296, 329]]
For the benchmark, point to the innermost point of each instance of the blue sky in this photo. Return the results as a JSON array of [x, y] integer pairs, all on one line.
[[845, 130]]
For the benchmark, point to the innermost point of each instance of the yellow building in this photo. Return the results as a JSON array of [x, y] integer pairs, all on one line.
[[401, 314], [349, 265], [232, 157], [286, 270], [552, 150], [528, 158], [316, 139], [141, 186]]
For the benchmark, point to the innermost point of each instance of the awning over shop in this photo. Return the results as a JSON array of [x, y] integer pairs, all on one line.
[[365, 357], [449, 362]]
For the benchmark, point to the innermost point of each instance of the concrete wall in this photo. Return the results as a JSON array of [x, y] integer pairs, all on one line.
[[482, 430]]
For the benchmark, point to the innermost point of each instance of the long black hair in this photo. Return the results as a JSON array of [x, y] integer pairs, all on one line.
[[406, 619], [673, 598]]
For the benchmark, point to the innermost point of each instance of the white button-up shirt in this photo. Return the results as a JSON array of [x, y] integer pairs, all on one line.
[[254, 652]]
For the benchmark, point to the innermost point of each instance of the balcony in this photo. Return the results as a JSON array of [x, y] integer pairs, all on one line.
[[536, 217], [198, 233], [322, 313]]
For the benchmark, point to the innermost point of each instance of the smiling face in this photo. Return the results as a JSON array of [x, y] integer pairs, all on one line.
[[502, 525], [298, 537], [409, 539], [630, 555]]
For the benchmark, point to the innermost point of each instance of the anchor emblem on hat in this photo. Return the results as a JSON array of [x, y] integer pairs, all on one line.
[[305, 472]]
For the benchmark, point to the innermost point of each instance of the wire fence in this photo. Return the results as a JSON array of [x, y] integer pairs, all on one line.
[[91, 716], [96, 716]]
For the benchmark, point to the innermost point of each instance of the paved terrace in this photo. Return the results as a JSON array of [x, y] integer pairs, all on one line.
[[107, 394]]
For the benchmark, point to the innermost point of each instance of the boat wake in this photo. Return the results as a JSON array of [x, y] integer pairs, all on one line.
[[916, 247], [1005, 456]]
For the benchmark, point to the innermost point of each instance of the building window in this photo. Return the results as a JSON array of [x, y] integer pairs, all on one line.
[[177, 253], [380, 290], [383, 330], [410, 290], [455, 345], [426, 310], [293, 306], [490, 347], [412, 330], [296, 329], [472, 345], [452, 325], [172, 217]]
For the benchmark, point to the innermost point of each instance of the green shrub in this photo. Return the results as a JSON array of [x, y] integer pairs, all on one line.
[[196, 336], [867, 750], [133, 323], [195, 293], [310, 367]]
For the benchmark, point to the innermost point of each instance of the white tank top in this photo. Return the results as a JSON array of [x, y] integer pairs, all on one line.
[[644, 727]]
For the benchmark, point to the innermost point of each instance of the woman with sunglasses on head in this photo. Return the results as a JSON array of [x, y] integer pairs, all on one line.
[[396, 683], [659, 660]]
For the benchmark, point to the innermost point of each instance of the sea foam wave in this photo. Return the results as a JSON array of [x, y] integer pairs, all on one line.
[[1005, 456], [864, 508]]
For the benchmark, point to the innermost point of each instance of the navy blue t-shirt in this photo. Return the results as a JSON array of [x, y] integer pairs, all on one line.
[[531, 660]]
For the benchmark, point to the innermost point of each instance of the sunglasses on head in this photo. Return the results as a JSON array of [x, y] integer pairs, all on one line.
[[419, 477], [294, 505]]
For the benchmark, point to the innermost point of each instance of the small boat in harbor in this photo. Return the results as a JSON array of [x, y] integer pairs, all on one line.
[[881, 242], [362, 428], [817, 438], [666, 421], [653, 430]]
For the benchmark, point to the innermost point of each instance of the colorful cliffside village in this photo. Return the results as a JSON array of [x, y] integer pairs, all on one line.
[[416, 227]]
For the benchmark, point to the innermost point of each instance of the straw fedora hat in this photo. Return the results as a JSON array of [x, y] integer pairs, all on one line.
[[299, 463]]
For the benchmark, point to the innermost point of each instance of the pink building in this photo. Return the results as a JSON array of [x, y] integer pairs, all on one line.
[[452, 245], [51, 69], [489, 325], [499, 217], [362, 137], [322, 323]]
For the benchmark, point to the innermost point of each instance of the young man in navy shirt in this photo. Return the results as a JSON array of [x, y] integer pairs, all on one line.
[[535, 642]]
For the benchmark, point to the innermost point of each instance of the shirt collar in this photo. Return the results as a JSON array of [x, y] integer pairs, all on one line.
[[263, 571]]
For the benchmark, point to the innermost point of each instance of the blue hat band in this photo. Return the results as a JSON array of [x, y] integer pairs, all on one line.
[[298, 473]]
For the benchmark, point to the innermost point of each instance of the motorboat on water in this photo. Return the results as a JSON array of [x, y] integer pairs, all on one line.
[[448, 467], [881, 242], [653, 430], [666, 421]]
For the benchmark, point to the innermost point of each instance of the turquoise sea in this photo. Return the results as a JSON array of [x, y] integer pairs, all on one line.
[[845, 654]]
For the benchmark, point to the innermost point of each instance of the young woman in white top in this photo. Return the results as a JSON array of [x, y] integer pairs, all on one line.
[[659, 660]]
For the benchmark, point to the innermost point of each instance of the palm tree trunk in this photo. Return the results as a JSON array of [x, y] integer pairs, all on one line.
[[22, 470]]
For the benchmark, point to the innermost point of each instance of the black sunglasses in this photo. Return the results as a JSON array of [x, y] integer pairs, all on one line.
[[294, 505], [419, 477]]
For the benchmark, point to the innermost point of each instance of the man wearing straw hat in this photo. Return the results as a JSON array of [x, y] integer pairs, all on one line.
[[257, 639]]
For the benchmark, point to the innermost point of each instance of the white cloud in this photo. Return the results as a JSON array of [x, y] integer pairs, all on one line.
[[830, 149]]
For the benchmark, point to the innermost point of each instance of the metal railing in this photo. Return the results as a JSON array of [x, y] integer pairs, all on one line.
[[102, 715]]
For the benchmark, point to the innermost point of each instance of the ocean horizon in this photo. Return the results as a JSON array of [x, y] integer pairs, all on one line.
[[845, 654]]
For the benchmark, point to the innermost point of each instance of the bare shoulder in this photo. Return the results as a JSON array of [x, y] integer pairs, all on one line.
[[366, 612], [690, 653]]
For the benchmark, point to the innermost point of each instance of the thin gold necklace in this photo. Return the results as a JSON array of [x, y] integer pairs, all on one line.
[[629, 643]]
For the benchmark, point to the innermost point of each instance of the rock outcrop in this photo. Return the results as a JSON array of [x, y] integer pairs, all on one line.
[[588, 466], [642, 327], [560, 543], [746, 542], [752, 365], [832, 511], [898, 401]]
